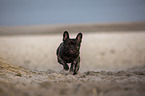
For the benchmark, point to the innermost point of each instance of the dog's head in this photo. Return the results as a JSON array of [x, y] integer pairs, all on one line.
[[72, 46]]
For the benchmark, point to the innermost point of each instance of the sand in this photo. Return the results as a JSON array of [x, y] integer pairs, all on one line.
[[114, 51], [112, 64], [18, 81]]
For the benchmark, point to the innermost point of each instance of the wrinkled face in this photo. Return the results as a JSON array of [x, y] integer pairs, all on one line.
[[72, 46]]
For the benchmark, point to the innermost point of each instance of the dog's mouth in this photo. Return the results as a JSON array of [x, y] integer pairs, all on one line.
[[71, 51]]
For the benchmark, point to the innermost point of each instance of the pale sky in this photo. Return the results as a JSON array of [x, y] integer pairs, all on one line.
[[37, 12]]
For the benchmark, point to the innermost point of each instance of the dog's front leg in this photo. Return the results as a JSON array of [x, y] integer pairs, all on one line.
[[77, 66], [61, 61], [72, 67]]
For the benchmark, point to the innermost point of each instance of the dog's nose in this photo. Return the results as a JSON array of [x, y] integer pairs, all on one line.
[[72, 50]]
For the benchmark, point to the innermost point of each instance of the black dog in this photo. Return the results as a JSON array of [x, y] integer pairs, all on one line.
[[68, 52]]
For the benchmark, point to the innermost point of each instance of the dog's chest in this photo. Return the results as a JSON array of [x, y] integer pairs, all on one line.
[[69, 59]]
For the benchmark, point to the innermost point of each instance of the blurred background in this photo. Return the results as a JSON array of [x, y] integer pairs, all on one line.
[[32, 12], [113, 32]]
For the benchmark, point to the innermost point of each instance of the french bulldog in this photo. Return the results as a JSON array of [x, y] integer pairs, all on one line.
[[68, 52]]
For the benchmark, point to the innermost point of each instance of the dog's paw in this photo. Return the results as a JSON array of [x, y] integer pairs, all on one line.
[[74, 73], [66, 67]]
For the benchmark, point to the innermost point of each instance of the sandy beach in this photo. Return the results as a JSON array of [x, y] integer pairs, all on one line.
[[112, 64], [99, 51], [18, 81]]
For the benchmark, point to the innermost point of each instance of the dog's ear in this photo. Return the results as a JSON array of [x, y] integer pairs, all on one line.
[[65, 35], [79, 37]]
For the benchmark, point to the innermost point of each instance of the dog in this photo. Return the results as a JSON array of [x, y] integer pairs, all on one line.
[[68, 52]]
